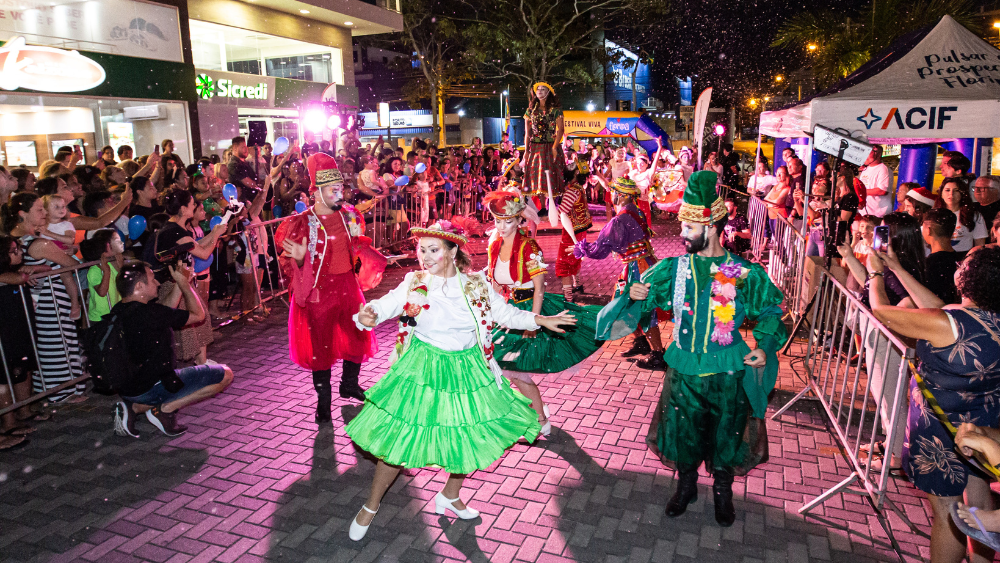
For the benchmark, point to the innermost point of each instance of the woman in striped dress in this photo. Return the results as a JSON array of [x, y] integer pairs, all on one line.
[[57, 308]]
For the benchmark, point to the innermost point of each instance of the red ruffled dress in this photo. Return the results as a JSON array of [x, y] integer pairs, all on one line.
[[325, 292]]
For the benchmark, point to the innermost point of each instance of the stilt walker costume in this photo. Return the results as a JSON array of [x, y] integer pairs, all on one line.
[[324, 286], [713, 403], [628, 235], [444, 402], [543, 351], [574, 216], [544, 160]]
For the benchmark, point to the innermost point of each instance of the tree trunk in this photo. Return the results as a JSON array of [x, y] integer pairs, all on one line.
[[442, 137], [434, 107], [635, 70]]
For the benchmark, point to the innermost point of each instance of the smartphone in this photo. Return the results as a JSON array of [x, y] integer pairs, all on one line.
[[880, 242], [156, 149]]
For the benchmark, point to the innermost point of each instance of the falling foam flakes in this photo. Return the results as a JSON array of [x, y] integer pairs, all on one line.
[[27, 469], [100, 466], [3, 477], [97, 444]]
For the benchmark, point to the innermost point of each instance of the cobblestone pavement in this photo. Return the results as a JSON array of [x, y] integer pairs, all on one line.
[[253, 479]]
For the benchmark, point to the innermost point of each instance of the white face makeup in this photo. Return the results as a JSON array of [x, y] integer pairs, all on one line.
[[332, 194], [507, 227], [436, 258]]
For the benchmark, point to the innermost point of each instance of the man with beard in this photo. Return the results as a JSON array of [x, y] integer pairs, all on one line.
[[714, 394], [322, 250], [627, 235]]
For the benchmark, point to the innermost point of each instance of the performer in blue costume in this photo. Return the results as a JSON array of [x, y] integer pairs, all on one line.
[[714, 392], [627, 235]]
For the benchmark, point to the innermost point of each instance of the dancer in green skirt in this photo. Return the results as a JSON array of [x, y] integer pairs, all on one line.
[[517, 272], [444, 402]]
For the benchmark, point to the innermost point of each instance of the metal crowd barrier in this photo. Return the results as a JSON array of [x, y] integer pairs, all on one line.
[[43, 284], [757, 217], [785, 264], [858, 370], [388, 220]]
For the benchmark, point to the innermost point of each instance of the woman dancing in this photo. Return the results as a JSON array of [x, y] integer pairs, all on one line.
[[543, 133], [517, 273], [444, 401]]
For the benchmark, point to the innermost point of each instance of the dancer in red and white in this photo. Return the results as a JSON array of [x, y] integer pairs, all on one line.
[[324, 252], [575, 220]]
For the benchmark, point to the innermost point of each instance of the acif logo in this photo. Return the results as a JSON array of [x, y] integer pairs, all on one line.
[[869, 118], [205, 86]]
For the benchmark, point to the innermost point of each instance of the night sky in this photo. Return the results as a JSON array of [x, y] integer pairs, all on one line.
[[727, 45]]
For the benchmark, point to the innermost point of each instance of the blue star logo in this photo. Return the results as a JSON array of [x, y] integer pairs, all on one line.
[[869, 118]]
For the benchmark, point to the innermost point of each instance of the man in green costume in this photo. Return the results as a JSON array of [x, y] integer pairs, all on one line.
[[715, 392]]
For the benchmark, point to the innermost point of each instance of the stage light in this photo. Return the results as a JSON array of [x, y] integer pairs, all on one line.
[[720, 129], [314, 120], [591, 106], [333, 122], [461, 113]]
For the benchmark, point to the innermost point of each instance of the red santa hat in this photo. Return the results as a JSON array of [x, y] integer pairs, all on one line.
[[323, 171], [922, 195]]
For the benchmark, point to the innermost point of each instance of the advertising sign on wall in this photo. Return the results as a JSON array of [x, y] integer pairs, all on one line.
[[121, 27], [46, 69]]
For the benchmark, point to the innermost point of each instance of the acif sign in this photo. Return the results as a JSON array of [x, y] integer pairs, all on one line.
[[47, 69]]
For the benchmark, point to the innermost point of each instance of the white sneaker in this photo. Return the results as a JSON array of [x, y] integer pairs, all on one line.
[[441, 504], [357, 531], [211, 363]]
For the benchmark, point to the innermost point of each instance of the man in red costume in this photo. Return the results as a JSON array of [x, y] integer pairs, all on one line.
[[574, 218], [321, 258]]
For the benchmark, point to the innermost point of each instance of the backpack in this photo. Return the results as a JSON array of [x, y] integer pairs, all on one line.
[[108, 359]]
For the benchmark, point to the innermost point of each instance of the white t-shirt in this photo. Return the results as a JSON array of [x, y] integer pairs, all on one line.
[[761, 185], [877, 177], [642, 181], [963, 239]]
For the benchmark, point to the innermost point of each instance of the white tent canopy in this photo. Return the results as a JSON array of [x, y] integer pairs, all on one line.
[[943, 87]]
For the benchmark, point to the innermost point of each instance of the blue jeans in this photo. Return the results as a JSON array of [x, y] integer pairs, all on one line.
[[194, 378]]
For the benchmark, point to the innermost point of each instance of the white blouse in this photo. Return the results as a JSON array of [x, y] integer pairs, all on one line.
[[502, 276], [448, 323]]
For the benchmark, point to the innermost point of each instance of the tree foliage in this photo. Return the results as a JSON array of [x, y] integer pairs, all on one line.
[[846, 42]]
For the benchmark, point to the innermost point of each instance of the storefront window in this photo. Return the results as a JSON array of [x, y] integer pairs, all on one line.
[[32, 128], [219, 47]]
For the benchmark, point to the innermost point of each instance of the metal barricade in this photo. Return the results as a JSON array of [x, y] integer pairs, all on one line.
[[858, 370], [757, 217], [48, 358], [785, 263]]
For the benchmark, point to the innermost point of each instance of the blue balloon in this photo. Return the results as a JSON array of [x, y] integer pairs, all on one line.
[[202, 265], [466, 167], [280, 145], [300, 207], [420, 167], [214, 222], [445, 175], [277, 211], [402, 181], [229, 192], [136, 226], [447, 186]]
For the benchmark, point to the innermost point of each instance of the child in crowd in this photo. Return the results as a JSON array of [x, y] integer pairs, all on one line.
[[59, 230], [105, 245]]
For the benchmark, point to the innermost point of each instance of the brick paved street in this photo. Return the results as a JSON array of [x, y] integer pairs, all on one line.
[[253, 479]]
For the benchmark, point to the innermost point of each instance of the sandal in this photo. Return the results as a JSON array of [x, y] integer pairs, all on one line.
[[18, 443], [981, 535], [36, 417]]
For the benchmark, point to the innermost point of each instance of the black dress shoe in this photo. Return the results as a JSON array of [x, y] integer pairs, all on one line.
[[654, 361], [640, 347], [356, 393], [722, 491], [323, 417], [687, 492], [578, 289]]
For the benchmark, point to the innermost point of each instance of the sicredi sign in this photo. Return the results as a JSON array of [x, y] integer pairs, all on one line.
[[47, 69], [231, 87]]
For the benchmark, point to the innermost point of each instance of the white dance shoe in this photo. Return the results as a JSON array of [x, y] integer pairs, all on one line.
[[547, 427], [441, 504], [357, 532]]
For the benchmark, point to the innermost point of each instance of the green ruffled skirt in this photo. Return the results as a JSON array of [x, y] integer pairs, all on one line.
[[441, 409], [549, 352]]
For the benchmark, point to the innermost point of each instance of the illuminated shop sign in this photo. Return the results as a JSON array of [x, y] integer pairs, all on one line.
[[209, 88], [46, 69]]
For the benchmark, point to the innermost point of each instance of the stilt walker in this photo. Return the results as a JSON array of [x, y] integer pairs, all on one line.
[[714, 393], [323, 247], [444, 402], [627, 235], [575, 220], [543, 133], [517, 272]]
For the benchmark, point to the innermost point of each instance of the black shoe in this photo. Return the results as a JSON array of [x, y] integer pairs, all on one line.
[[722, 492], [640, 347], [654, 361], [125, 419], [165, 422], [687, 492], [578, 289], [322, 417], [356, 393]]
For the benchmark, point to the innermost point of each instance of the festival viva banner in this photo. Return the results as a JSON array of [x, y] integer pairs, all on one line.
[[600, 123]]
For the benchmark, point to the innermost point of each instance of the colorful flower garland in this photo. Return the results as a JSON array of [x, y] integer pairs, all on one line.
[[726, 277]]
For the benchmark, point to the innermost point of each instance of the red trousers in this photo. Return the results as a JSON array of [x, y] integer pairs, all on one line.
[[644, 207], [567, 264]]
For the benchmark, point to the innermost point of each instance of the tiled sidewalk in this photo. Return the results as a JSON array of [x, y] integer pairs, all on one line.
[[254, 480]]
